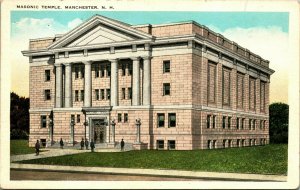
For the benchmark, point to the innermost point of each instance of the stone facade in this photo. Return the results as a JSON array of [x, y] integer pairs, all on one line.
[[171, 86]]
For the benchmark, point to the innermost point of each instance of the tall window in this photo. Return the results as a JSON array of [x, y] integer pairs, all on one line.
[[243, 123], [171, 145], [102, 70], [229, 122], [214, 144], [97, 71], [78, 118], [260, 124], [76, 95], [82, 95], [97, 94], [125, 117], [167, 89], [238, 123], [160, 144], [226, 86], [214, 121], [108, 94], [43, 121], [172, 119], [238, 142], [166, 66], [229, 143], [160, 119], [209, 144], [129, 93], [129, 68], [108, 71], [250, 124], [123, 69], [76, 72], [123, 93], [82, 71], [252, 93], [47, 75], [224, 143], [254, 124], [119, 117], [262, 96], [211, 82], [47, 94], [208, 121], [224, 122], [240, 90], [102, 94]]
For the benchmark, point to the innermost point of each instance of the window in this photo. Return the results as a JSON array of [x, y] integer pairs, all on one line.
[[102, 94], [209, 144], [214, 143], [160, 119], [229, 122], [72, 118], [252, 93], [108, 70], [129, 93], [97, 94], [264, 125], [243, 142], [166, 66], [224, 122], [76, 72], [160, 144], [108, 94], [78, 118], [43, 121], [47, 95], [250, 142], [123, 69], [43, 142], [172, 119], [238, 141], [214, 121], [123, 93], [125, 117], [262, 96], [226, 86], [211, 82], [254, 142], [243, 121], [208, 121], [82, 71], [229, 143], [171, 145], [97, 72], [261, 124], [240, 90], [224, 143], [119, 117], [254, 124], [129, 69], [166, 89], [238, 123], [250, 124], [102, 70], [47, 75], [76, 96], [82, 95]]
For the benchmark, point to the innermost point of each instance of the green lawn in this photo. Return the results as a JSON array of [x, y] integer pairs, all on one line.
[[20, 147], [269, 159]]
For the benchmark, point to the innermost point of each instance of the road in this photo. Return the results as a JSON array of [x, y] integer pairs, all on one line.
[[73, 176]]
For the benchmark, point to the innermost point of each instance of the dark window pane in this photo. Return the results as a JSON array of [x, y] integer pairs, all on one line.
[[43, 121], [108, 94], [172, 119], [125, 117], [166, 89], [47, 75], [160, 144], [161, 119], [171, 145], [119, 117], [166, 66]]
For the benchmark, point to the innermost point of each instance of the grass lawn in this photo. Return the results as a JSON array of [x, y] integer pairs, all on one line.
[[269, 159], [21, 147]]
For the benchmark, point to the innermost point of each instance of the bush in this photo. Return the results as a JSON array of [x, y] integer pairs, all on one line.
[[18, 134]]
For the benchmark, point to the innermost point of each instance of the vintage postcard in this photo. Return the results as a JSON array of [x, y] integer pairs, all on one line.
[[130, 94]]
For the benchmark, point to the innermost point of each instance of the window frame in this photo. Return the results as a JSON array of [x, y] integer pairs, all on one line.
[[165, 85], [108, 94], [97, 95], [125, 117], [169, 145], [47, 94], [78, 118], [158, 120], [43, 121], [158, 143], [47, 75], [165, 63], [81, 95], [119, 117], [169, 120]]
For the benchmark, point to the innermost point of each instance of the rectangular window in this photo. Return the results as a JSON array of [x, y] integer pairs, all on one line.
[[250, 124], [243, 142], [102, 94], [123, 69], [97, 94], [81, 95], [224, 143], [211, 82], [47, 95], [171, 145], [229, 143], [254, 124], [229, 122], [208, 121], [209, 144], [214, 143], [172, 119], [130, 69], [47, 75], [243, 123], [240, 90], [125, 117], [238, 141], [129, 93], [102, 70], [166, 66], [108, 94], [160, 119], [262, 96], [78, 118], [226, 86], [82, 71], [43, 121], [76, 72], [72, 118], [214, 121], [119, 117], [160, 144], [261, 124], [97, 72], [224, 122], [123, 93], [238, 123], [108, 71], [167, 89], [252, 93], [76, 95]]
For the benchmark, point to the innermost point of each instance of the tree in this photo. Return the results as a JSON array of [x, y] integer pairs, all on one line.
[[279, 120], [19, 116]]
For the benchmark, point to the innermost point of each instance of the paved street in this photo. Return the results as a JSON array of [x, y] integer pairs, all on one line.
[[45, 175]]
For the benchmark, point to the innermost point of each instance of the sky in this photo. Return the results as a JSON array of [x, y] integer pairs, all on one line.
[[263, 33]]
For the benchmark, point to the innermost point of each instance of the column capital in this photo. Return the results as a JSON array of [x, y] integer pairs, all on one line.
[[87, 62], [135, 58], [67, 64], [147, 57], [113, 60]]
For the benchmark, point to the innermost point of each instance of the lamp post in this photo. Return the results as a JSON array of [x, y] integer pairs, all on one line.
[[86, 123], [138, 128], [113, 124], [72, 123], [51, 131]]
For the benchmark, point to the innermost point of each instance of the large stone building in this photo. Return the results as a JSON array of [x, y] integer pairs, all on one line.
[[169, 86]]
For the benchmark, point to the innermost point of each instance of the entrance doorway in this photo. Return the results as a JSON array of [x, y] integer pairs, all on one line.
[[99, 129]]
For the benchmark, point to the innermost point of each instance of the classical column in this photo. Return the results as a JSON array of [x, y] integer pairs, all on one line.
[[136, 82], [147, 82], [58, 86], [87, 84], [114, 83], [68, 85]]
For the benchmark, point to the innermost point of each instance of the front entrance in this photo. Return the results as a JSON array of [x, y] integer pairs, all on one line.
[[99, 131]]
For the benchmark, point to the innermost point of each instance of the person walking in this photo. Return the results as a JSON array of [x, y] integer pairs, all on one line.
[[86, 144], [82, 144], [61, 142], [92, 146], [37, 148], [122, 145]]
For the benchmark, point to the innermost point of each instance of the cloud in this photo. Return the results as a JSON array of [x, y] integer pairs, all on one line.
[[72, 24]]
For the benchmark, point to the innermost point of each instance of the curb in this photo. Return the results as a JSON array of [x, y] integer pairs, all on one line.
[[152, 172]]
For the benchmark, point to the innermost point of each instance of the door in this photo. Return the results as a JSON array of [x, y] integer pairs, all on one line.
[[99, 131]]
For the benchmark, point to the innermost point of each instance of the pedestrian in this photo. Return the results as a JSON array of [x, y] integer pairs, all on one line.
[[82, 144], [122, 145], [86, 144], [92, 146], [61, 142], [37, 148]]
